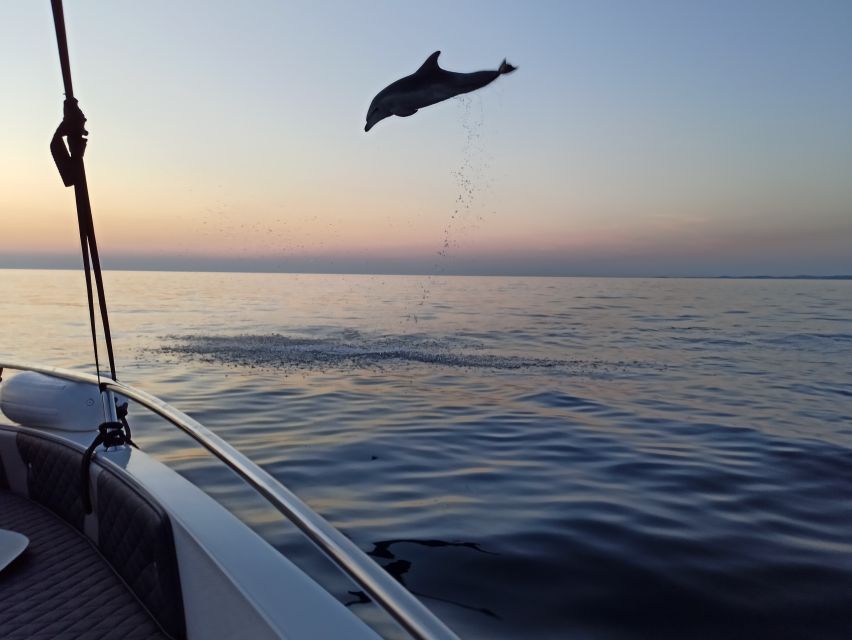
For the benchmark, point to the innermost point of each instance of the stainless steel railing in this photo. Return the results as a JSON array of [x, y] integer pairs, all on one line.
[[395, 599]]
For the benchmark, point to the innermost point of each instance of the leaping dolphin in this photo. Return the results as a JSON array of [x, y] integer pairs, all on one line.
[[428, 85]]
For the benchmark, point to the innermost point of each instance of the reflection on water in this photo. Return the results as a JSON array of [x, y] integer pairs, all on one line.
[[399, 566], [696, 489]]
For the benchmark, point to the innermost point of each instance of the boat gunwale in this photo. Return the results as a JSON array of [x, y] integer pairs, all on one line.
[[385, 591]]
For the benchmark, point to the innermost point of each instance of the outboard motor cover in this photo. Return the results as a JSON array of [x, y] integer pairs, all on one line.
[[44, 402]]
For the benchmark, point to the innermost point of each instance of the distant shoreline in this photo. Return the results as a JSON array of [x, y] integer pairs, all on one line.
[[434, 274]]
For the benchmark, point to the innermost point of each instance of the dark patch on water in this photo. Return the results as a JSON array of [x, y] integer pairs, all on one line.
[[387, 554]]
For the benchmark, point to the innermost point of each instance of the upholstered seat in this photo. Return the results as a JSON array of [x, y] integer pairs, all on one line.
[[122, 584], [61, 587]]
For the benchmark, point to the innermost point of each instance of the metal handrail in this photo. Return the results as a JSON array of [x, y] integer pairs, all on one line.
[[395, 599]]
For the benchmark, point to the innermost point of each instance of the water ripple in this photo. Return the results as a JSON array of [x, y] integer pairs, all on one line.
[[535, 458]]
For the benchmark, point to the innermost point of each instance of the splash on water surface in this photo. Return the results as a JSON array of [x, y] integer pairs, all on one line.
[[350, 348]]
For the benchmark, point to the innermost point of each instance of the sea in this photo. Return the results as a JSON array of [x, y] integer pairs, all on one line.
[[533, 457]]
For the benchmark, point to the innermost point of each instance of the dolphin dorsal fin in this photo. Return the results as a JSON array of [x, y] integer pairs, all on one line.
[[431, 64]]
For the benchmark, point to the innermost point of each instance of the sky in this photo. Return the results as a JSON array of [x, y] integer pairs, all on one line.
[[668, 137]]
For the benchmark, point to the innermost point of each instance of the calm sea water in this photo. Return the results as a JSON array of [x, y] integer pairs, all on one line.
[[535, 458]]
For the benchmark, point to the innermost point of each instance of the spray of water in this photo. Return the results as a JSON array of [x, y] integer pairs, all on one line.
[[472, 176], [474, 186]]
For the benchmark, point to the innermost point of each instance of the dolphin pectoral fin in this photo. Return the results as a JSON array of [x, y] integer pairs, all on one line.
[[404, 112]]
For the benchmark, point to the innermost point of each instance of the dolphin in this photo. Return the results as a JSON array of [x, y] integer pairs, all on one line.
[[426, 86]]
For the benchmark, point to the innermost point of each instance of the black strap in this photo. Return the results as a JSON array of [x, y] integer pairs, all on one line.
[[67, 147], [110, 434], [69, 161]]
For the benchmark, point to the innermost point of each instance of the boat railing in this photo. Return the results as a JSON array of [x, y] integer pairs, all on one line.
[[385, 591]]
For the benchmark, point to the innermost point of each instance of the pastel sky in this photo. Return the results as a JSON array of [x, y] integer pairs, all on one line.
[[637, 138]]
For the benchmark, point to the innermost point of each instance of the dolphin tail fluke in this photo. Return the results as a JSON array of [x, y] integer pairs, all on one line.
[[505, 67]]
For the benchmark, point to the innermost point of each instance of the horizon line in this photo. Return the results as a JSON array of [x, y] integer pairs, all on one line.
[[757, 276]]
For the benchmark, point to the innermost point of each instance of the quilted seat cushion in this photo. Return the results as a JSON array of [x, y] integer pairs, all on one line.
[[53, 477], [135, 536], [134, 533], [61, 588]]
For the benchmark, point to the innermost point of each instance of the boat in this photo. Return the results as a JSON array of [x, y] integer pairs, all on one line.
[[100, 540]]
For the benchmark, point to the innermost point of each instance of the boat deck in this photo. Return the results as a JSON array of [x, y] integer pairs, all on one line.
[[61, 586]]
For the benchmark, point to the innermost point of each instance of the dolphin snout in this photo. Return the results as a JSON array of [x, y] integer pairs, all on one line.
[[374, 116]]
